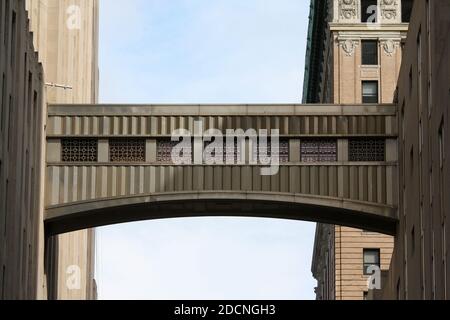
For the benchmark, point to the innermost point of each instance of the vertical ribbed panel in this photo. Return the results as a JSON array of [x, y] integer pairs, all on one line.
[[164, 125], [369, 183]]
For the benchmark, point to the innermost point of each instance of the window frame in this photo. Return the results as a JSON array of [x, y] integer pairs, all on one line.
[[366, 265], [365, 15], [364, 48], [377, 92]]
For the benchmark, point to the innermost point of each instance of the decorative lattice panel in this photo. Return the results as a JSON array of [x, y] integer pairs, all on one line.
[[228, 153], [282, 152], [127, 150], [318, 150], [79, 150], [367, 150], [235, 154], [164, 152]]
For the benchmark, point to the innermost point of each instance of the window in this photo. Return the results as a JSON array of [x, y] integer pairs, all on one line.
[[9, 117], [6, 26], [79, 150], [316, 150], [441, 146], [13, 38], [420, 138], [3, 107], [370, 91], [429, 60], [30, 87], [410, 80], [3, 282], [419, 70], [369, 52], [371, 258], [364, 149], [369, 11], [411, 160], [407, 6], [1, 16], [127, 150]]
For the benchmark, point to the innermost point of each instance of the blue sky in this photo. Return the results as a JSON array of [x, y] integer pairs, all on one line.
[[204, 51]]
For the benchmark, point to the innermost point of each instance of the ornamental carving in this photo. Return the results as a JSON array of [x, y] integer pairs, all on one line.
[[349, 46], [348, 9], [389, 46], [389, 9]]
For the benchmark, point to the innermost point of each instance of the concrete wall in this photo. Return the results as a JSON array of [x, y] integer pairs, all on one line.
[[66, 36], [21, 140], [421, 265]]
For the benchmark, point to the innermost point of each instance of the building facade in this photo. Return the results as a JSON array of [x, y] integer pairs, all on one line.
[[421, 265], [354, 55], [66, 37], [21, 140], [360, 58], [49, 54]]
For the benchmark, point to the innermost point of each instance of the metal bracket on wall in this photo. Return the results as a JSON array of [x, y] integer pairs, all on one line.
[[59, 86]]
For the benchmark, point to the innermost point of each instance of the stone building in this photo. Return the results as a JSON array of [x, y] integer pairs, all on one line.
[[354, 55], [54, 63], [66, 37], [421, 262], [21, 140], [360, 57]]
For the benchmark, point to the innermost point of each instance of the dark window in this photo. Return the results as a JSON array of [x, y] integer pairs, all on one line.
[[369, 11], [370, 91], [369, 52], [407, 6], [127, 150], [30, 87], [79, 150], [6, 25], [35, 102], [371, 258], [3, 106], [13, 38], [1, 15], [368, 150], [318, 150], [10, 116], [441, 146], [3, 281], [410, 80]]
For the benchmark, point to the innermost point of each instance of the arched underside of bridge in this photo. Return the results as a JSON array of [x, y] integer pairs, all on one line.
[[89, 214]]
